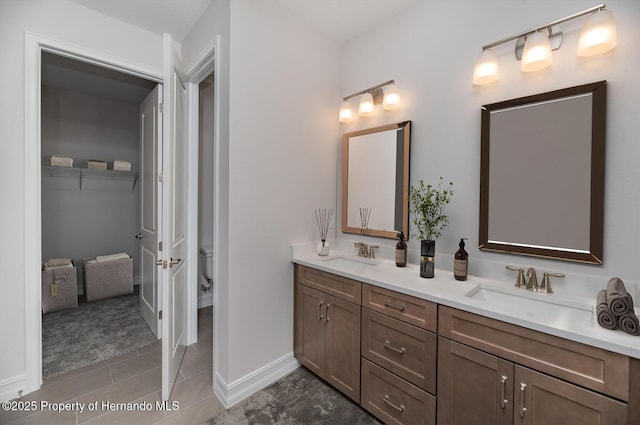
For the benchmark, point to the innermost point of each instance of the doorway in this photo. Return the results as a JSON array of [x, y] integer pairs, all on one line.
[[89, 114], [34, 46]]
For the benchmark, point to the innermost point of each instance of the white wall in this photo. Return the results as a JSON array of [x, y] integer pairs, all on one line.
[[103, 216], [430, 51], [283, 148], [71, 23]]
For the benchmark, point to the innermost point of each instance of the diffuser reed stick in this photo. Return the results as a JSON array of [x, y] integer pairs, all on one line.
[[323, 219], [365, 214]]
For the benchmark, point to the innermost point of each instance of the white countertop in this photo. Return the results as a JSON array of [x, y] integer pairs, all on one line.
[[444, 289]]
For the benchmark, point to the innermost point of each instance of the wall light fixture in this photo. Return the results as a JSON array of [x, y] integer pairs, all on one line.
[[389, 97], [534, 46]]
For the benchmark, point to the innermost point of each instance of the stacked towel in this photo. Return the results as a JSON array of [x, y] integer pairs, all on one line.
[[120, 165], [61, 161], [97, 164], [618, 298], [606, 319], [57, 262], [614, 308], [111, 257]]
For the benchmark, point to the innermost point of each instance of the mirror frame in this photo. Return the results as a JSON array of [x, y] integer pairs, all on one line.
[[596, 185], [392, 234]]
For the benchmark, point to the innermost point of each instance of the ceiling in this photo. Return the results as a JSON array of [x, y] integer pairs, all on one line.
[[339, 20]]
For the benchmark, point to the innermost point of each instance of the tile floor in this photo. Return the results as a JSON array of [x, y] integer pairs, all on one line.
[[131, 378]]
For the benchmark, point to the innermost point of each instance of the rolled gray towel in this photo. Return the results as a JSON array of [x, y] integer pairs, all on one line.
[[630, 324], [606, 319], [619, 300]]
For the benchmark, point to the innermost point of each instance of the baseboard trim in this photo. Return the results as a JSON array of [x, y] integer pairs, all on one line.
[[230, 394], [10, 388]]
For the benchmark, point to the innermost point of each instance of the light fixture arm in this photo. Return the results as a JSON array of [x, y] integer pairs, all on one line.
[[546, 26], [369, 90]]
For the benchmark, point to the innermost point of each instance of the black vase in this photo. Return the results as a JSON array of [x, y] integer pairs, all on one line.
[[427, 258]]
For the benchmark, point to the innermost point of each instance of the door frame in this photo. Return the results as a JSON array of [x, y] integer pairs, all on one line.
[[35, 44], [205, 66]]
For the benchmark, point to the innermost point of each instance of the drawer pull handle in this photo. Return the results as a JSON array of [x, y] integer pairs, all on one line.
[[326, 312], [503, 381], [388, 345], [320, 316], [523, 410], [398, 408], [388, 303]]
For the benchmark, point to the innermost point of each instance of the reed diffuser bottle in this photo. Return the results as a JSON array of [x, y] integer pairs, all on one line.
[[323, 219]]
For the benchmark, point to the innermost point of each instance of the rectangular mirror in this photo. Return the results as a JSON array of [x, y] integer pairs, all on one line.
[[375, 180], [542, 174]]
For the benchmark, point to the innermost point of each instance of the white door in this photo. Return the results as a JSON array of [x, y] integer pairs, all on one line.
[[150, 207], [174, 228]]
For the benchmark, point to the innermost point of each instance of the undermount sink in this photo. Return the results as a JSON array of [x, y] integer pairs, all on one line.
[[355, 265], [533, 305]]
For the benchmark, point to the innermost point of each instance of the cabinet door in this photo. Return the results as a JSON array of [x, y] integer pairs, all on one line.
[[342, 353], [310, 329], [542, 400], [473, 387]]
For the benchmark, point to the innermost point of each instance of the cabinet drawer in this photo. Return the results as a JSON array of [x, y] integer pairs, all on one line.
[[394, 400], [338, 286], [410, 309], [581, 364], [406, 350]]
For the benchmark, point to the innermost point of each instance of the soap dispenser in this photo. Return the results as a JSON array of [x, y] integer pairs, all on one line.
[[401, 251], [461, 262]]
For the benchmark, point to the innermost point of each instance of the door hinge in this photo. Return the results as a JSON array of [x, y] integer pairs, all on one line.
[[161, 107], [159, 246], [160, 315], [160, 177]]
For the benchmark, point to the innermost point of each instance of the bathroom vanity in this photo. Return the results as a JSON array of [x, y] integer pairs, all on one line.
[[416, 351]]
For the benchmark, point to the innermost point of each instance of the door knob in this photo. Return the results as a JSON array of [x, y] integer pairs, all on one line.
[[174, 262], [139, 236]]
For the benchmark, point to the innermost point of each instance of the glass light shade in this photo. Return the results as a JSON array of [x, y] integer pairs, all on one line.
[[537, 53], [346, 111], [366, 105], [486, 70], [598, 35], [391, 98]]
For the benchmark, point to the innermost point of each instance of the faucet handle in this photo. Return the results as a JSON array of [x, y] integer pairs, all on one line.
[[520, 282], [546, 282], [372, 255]]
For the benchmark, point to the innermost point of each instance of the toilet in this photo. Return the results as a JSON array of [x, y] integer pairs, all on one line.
[[206, 264]]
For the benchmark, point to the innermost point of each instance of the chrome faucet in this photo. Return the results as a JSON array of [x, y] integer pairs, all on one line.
[[362, 249]]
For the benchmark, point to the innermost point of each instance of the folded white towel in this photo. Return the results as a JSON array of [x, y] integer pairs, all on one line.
[[61, 161], [121, 165], [97, 164], [56, 262], [112, 257], [66, 266]]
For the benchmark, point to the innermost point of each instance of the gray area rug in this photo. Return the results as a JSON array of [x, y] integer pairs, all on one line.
[[91, 333], [299, 398]]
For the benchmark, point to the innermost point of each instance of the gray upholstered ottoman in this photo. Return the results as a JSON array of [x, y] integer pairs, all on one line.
[[59, 288], [107, 279]]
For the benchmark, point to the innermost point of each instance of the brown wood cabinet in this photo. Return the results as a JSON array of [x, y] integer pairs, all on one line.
[[477, 387], [327, 331], [380, 348], [399, 354]]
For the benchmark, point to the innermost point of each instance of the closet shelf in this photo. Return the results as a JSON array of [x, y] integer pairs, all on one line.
[[87, 173]]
